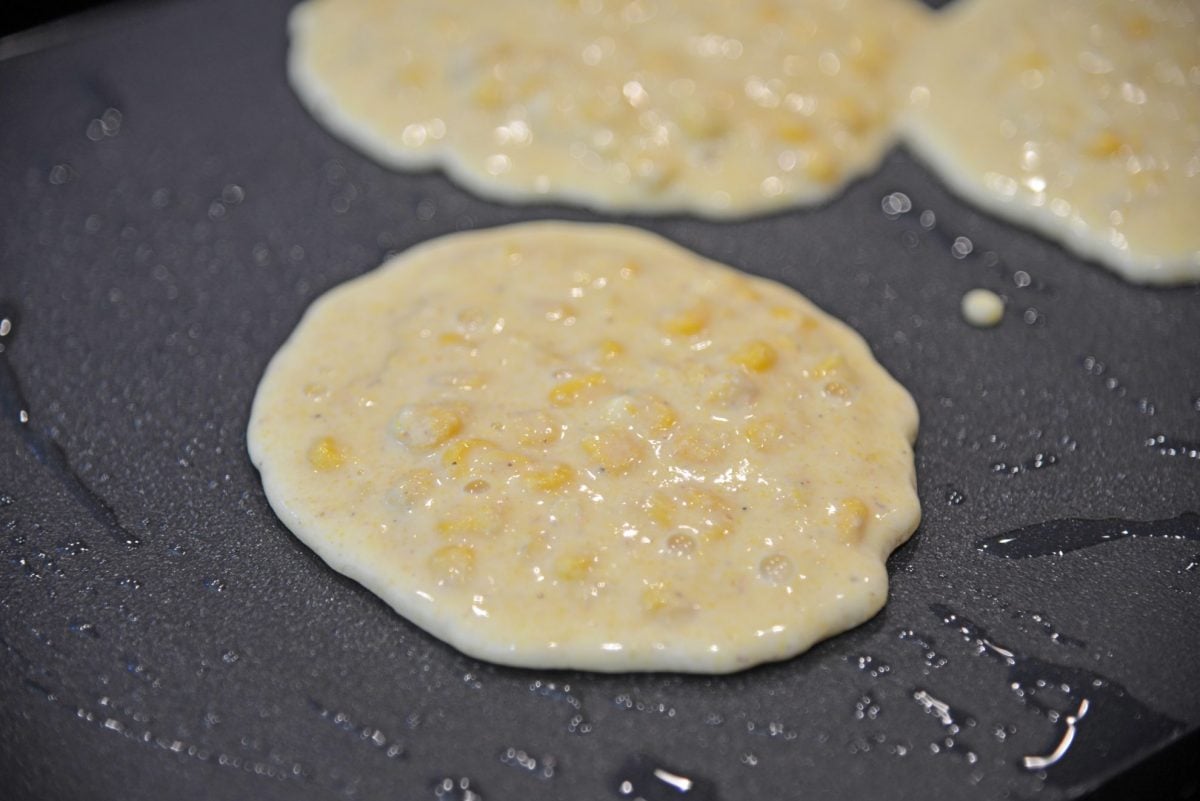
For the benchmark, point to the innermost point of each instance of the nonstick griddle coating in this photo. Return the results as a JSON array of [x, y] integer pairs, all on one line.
[[152, 260]]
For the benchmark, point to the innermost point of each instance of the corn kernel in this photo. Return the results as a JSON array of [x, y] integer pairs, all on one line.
[[794, 132], [851, 519], [537, 429], [581, 387], [459, 454], [477, 486], [655, 598], [1106, 144], [573, 567], [1138, 27], [697, 445], [489, 94], [414, 74], [549, 479], [731, 388], [826, 367], [852, 115], [762, 433], [688, 322], [472, 522], [325, 454], [610, 349], [615, 450], [822, 167], [837, 390], [631, 269], [412, 489], [454, 338], [425, 426], [452, 564], [756, 356]]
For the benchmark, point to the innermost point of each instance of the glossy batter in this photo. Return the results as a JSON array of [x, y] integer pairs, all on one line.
[[716, 108], [562, 445], [1079, 118]]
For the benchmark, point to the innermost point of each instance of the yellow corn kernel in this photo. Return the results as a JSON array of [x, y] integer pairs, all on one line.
[[655, 598], [660, 509], [756, 356], [427, 425], [536, 429], [794, 131], [706, 513], [762, 433], [326, 454], [471, 522], [477, 486], [610, 349], [838, 390], [700, 122], [489, 94], [615, 450], [850, 519], [782, 312], [1105, 144], [585, 387], [548, 479], [688, 322], [827, 366], [458, 454], [631, 269], [852, 115], [656, 414], [414, 74], [822, 167], [412, 489], [1138, 27], [452, 564], [730, 388], [561, 313], [316, 392], [697, 445], [871, 59], [1029, 60], [573, 567], [454, 338]]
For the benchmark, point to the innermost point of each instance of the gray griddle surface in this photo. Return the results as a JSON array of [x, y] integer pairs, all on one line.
[[168, 210]]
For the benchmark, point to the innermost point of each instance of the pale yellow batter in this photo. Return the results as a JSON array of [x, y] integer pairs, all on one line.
[[1079, 118], [564, 445], [711, 107]]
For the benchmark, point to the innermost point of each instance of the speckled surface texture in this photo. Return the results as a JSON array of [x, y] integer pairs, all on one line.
[[152, 261]]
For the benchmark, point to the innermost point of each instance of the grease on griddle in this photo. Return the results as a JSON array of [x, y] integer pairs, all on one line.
[[1072, 534], [16, 410], [646, 778], [1098, 722]]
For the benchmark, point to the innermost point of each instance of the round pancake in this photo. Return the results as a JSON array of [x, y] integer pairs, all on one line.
[[565, 445], [1078, 118], [721, 109]]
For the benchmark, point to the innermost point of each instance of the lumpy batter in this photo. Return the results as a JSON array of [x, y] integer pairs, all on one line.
[[563, 445], [711, 107], [1079, 118]]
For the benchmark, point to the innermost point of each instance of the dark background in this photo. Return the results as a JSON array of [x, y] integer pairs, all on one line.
[[22, 14]]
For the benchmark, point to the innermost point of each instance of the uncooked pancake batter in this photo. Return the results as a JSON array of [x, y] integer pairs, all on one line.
[[716, 108], [563, 445]]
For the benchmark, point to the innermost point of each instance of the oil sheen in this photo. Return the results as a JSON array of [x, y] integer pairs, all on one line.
[[568, 445], [709, 107]]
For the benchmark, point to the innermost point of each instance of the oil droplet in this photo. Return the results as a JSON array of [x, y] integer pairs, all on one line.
[[1072, 534], [644, 777]]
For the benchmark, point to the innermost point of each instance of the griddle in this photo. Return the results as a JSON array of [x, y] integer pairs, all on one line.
[[168, 211]]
